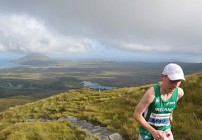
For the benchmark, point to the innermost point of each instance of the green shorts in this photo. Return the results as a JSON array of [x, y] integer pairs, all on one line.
[[146, 135]]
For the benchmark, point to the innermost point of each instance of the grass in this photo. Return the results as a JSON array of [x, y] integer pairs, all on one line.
[[112, 108], [43, 131], [188, 116], [6, 103]]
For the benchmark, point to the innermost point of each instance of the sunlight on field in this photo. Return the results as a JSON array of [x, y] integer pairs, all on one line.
[[115, 73], [32, 76]]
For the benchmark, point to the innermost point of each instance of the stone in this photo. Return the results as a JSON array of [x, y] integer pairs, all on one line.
[[102, 133], [115, 136]]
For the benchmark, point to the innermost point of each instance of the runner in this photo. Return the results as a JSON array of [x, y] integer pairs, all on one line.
[[154, 111]]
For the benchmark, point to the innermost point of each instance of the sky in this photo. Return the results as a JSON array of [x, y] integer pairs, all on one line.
[[135, 30]]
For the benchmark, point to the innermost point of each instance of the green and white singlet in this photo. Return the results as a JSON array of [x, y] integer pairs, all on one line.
[[158, 113]]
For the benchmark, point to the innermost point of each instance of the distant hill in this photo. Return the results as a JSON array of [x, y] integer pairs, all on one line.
[[36, 59], [112, 109]]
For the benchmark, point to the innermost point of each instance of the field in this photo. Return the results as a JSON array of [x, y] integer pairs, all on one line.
[[40, 82]]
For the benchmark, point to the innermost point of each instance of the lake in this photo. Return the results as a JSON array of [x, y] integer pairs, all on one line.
[[96, 86]]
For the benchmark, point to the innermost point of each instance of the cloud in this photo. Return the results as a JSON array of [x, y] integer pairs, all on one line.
[[134, 47], [170, 28], [23, 33]]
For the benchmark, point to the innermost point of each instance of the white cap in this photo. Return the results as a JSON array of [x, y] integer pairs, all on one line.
[[174, 72]]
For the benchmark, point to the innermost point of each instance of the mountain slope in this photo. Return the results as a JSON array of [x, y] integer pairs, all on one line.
[[113, 109]]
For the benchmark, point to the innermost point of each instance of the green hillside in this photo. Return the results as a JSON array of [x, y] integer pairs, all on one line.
[[112, 108]]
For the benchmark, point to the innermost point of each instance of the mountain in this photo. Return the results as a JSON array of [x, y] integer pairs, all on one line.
[[112, 109], [36, 59]]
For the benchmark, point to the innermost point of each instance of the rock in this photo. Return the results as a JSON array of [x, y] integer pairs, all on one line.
[[115, 136], [71, 118], [102, 133], [62, 119], [31, 120]]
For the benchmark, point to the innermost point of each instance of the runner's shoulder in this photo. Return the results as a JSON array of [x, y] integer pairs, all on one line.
[[180, 92], [150, 94]]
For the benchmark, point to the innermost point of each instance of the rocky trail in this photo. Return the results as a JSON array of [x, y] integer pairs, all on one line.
[[102, 133]]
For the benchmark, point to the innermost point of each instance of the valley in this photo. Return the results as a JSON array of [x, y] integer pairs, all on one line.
[[41, 82], [35, 82]]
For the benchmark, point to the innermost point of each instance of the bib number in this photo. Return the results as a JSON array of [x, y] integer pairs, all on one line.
[[159, 119]]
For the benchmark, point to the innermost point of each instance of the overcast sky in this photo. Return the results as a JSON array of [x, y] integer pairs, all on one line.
[[148, 30]]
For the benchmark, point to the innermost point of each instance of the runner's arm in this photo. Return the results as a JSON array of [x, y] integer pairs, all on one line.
[[180, 93], [146, 100], [171, 118]]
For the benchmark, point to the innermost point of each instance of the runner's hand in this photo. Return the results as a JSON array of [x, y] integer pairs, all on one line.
[[158, 135]]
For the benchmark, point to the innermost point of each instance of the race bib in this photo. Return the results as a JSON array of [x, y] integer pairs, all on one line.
[[159, 119]]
